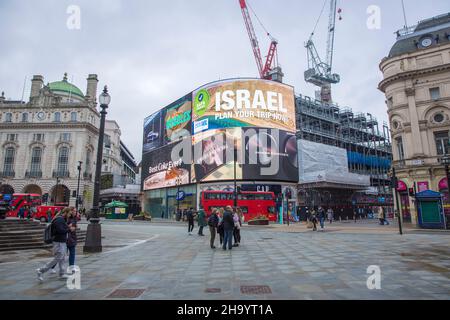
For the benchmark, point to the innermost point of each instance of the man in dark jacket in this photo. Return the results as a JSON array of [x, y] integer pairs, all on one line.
[[190, 219], [228, 226], [59, 232], [213, 222]]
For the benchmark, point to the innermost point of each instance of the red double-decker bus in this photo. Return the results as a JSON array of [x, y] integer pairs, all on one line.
[[252, 203], [20, 200]]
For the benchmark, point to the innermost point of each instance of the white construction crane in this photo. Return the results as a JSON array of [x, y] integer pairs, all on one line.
[[319, 72]]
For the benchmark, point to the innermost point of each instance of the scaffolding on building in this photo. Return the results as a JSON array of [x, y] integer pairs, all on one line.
[[368, 148]]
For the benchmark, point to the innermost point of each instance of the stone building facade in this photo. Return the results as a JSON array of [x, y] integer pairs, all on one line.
[[416, 82], [43, 140]]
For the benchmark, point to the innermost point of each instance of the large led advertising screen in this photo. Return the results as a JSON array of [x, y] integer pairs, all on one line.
[[162, 168], [247, 121], [244, 103]]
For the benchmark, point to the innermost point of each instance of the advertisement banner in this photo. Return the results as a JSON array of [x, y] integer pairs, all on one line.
[[243, 103], [422, 185], [177, 120], [161, 168], [214, 155], [153, 130], [269, 154]]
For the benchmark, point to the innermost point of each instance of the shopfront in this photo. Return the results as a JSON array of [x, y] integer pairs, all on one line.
[[163, 203], [402, 190]]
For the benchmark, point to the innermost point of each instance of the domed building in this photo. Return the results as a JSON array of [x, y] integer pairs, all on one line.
[[416, 83], [43, 140]]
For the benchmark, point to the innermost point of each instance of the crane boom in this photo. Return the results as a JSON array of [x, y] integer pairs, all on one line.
[[331, 27], [319, 72], [252, 36], [263, 69]]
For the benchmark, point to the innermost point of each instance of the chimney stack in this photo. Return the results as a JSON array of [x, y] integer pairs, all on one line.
[[2, 97], [36, 85], [91, 92]]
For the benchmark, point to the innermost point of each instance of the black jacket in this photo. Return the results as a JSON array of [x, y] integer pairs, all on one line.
[[59, 230], [213, 220], [72, 238], [228, 223]]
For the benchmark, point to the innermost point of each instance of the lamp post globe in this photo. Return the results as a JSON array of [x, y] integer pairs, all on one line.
[[93, 241]]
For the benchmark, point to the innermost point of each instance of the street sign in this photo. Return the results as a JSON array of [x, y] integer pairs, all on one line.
[[181, 195]]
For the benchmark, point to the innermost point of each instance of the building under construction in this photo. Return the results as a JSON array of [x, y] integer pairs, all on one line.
[[365, 146]]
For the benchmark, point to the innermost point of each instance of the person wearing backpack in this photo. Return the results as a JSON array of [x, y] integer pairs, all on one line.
[[58, 230], [213, 222]]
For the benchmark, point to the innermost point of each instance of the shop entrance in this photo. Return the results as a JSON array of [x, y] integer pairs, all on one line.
[[404, 203]]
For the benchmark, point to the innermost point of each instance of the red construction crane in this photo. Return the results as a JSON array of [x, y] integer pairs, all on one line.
[[267, 67]]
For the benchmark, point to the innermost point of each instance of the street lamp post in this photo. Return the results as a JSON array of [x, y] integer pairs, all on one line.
[[78, 185], [94, 233], [56, 191], [235, 183]]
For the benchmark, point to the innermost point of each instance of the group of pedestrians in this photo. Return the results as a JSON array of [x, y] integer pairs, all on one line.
[[224, 222], [64, 237], [26, 212]]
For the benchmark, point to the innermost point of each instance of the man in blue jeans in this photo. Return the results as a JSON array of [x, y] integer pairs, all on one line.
[[228, 226]]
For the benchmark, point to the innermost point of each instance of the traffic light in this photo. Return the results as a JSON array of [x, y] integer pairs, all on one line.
[[411, 192], [45, 197], [239, 190]]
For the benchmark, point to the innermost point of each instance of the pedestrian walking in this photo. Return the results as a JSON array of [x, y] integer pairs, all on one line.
[[190, 219], [228, 226], [382, 216], [330, 215], [313, 218], [220, 230], [72, 242], [213, 222], [162, 214], [21, 213], [59, 231], [49, 215], [322, 217], [237, 227], [201, 221]]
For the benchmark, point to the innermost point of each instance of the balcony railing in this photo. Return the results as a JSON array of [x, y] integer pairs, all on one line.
[[61, 174], [33, 174], [7, 174]]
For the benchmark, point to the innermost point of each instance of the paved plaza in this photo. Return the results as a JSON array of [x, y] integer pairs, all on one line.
[[161, 261]]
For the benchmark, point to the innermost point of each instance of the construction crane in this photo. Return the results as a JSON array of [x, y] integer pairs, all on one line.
[[266, 71], [319, 72]]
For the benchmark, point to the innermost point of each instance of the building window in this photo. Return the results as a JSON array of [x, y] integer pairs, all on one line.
[[36, 157], [441, 139], [65, 137], [73, 116], [88, 161], [401, 152], [63, 160], [435, 94], [8, 166], [8, 117], [11, 137], [38, 137], [107, 141], [24, 117], [57, 117]]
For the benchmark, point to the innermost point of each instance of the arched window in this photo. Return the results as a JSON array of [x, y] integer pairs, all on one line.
[[63, 162], [57, 117], [73, 116], [8, 117], [8, 167], [88, 161], [36, 156]]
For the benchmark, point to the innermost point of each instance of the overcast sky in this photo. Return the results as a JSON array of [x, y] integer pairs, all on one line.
[[150, 52]]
